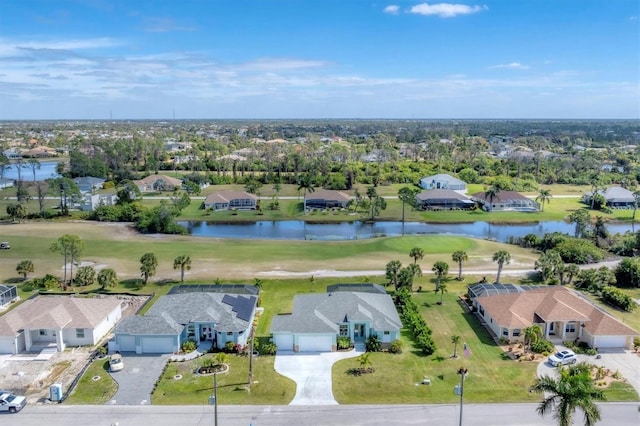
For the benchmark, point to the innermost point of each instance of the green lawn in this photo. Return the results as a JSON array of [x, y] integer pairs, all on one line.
[[268, 388], [94, 392]]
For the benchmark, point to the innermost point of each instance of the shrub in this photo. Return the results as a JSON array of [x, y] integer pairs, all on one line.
[[229, 346], [343, 342], [628, 273], [616, 297], [373, 344], [542, 346], [396, 347], [269, 349], [412, 320], [189, 346], [636, 342]]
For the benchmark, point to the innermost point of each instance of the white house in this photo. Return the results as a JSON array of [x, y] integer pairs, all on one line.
[[443, 181]]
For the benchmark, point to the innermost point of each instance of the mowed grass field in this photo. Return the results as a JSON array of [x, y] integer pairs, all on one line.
[[118, 246]]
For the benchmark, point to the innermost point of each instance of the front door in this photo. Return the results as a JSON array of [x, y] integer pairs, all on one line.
[[358, 332]]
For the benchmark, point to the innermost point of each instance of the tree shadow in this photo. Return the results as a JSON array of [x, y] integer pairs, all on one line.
[[474, 323], [14, 280], [132, 284]]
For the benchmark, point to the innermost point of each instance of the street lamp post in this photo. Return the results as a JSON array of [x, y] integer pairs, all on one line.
[[462, 372]]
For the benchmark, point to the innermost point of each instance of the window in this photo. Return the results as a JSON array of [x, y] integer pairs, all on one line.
[[570, 328], [344, 329], [80, 333], [505, 332], [481, 311], [229, 333], [43, 332], [516, 332], [241, 332], [387, 332]]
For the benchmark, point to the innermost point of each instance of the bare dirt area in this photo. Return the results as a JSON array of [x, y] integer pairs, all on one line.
[[25, 375]]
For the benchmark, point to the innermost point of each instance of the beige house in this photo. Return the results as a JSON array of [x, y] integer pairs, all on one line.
[[326, 199], [562, 313], [154, 183], [57, 320], [228, 200]]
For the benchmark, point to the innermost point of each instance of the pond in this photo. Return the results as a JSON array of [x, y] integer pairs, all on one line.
[[301, 230], [47, 170]]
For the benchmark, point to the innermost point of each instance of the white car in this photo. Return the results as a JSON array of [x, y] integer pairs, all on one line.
[[12, 403], [115, 363], [563, 358]]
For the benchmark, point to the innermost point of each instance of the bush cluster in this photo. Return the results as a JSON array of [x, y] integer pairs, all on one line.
[[542, 346], [412, 320], [617, 298]]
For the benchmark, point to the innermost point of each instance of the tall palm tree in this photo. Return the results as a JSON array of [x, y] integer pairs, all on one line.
[[459, 256], [574, 388], [392, 272], [407, 196], [416, 253], [306, 183], [182, 262], [441, 269], [455, 339], [502, 257], [490, 194], [544, 196], [442, 288], [636, 201], [532, 334]]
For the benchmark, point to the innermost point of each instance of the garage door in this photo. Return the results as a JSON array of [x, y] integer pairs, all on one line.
[[284, 342], [6, 346], [157, 345], [611, 341], [315, 343], [127, 343]]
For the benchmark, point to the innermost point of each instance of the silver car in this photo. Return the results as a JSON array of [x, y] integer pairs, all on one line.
[[563, 358]]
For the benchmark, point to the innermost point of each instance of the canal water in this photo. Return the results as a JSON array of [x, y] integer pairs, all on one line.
[[301, 230]]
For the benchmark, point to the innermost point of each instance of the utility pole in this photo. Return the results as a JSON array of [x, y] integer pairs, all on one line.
[[215, 398], [462, 372]]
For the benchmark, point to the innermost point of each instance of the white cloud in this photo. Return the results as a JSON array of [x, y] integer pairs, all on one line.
[[163, 25], [445, 10], [392, 9], [511, 65]]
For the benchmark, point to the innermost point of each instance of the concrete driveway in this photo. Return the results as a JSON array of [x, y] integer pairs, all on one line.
[[624, 361], [136, 380], [312, 373]]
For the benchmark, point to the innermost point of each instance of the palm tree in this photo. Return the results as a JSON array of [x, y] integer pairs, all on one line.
[[636, 201], [364, 360], [532, 334], [502, 257], [148, 265], [490, 194], [107, 278], [392, 272], [544, 195], [441, 269], [24, 268], [306, 183], [416, 253], [182, 262], [442, 288], [407, 196], [574, 388], [455, 339], [459, 256]]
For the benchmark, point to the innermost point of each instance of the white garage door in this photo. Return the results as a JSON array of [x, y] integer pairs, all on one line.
[[611, 342], [127, 343], [157, 345], [315, 343], [284, 342], [6, 346]]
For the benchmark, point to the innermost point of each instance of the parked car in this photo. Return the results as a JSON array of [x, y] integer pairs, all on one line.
[[116, 363], [12, 403], [563, 357], [5, 245]]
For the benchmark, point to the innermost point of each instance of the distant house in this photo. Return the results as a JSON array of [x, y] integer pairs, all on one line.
[[229, 200], [89, 183], [443, 199], [443, 181], [40, 152], [506, 201], [153, 183], [326, 199], [317, 320], [616, 197], [90, 202], [57, 320], [561, 313], [199, 316]]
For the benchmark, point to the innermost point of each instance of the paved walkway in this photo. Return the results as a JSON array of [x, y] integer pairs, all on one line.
[[312, 373]]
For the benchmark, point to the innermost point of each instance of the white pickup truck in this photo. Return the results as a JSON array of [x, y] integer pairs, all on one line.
[[12, 403]]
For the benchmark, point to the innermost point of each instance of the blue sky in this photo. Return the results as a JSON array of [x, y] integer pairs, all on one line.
[[143, 59]]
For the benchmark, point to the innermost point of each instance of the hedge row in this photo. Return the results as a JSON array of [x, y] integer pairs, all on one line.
[[413, 321]]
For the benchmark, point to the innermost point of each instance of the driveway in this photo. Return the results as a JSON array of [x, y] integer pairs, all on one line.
[[312, 373], [624, 361], [136, 380]]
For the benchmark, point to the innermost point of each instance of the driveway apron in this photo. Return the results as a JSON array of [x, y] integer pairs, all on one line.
[[136, 380], [312, 373]]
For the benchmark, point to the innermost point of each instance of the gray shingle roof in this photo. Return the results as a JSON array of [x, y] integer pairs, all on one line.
[[322, 313], [171, 312]]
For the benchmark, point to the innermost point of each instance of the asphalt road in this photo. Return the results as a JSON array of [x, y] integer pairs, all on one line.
[[619, 414]]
